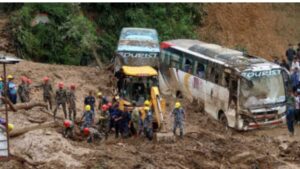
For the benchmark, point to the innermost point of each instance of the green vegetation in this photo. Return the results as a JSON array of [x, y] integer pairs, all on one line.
[[70, 35]]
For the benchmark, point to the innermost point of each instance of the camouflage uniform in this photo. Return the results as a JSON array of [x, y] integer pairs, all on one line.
[[178, 120], [94, 134], [27, 93], [22, 92], [104, 122], [47, 90], [71, 98], [61, 98]]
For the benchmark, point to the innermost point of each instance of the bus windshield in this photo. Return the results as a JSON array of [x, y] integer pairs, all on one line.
[[262, 88], [138, 88]]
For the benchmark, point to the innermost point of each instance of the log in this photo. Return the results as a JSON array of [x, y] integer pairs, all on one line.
[[21, 131], [33, 120], [25, 106], [7, 101]]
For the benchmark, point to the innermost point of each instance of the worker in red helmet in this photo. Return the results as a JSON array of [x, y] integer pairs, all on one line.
[[92, 134], [104, 120], [71, 99], [22, 89], [61, 99], [47, 91], [27, 89], [68, 129]]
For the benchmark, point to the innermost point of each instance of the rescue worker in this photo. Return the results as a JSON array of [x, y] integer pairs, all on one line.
[[125, 120], [117, 116], [69, 126], [22, 89], [104, 120], [71, 99], [90, 100], [135, 118], [92, 134], [148, 123], [88, 117], [290, 114], [61, 99], [27, 89], [47, 91], [179, 116], [12, 89], [1, 89], [102, 100]]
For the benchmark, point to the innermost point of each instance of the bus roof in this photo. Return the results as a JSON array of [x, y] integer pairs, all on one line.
[[139, 40], [222, 55], [139, 71]]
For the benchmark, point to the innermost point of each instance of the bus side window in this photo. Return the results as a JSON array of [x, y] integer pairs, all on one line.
[[225, 79], [200, 70], [188, 65]]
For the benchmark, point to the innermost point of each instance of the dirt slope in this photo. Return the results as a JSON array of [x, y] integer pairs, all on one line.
[[263, 29]]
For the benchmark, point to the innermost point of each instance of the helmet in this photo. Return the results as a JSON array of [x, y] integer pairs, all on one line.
[[67, 123], [147, 103], [1, 79], [177, 105], [99, 94], [86, 131], [87, 108], [29, 81], [146, 108], [10, 77], [104, 107], [72, 86], [45, 79], [10, 127], [23, 79], [109, 104], [117, 97], [61, 85]]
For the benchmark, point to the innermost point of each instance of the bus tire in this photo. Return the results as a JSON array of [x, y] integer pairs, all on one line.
[[222, 118]]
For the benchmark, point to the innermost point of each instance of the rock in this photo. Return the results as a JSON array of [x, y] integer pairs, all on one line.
[[168, 137]]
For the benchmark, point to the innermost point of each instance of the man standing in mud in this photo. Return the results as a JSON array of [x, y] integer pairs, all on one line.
[[179, 116], [71, 98], [61, 99], [22, 89], [90, 100], [290, 114], [47, 91]]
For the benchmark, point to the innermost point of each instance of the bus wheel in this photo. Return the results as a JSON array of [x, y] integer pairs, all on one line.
[[223, 119]]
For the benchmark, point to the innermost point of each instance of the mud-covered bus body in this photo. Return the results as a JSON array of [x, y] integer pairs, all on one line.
[[242, 91], [137, 47]]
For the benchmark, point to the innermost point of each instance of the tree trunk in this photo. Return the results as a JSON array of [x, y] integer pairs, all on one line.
[[21, 131], [25, 106]]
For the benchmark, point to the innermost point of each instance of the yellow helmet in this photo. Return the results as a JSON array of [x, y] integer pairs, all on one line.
[[10, 127], [146, 108], [10, 77], [177, 105], [87, 108], [1, 79], [99, 94], [117, 97], [147, 103]]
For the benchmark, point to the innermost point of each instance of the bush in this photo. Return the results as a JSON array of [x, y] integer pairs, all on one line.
[[64, 39]]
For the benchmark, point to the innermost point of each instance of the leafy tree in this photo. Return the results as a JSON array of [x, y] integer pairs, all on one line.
[[64, 39]]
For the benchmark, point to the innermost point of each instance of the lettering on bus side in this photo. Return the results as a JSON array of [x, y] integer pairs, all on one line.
[[138, 55], [251, 74]]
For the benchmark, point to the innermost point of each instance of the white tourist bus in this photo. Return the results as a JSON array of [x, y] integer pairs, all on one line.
[[242, 91]]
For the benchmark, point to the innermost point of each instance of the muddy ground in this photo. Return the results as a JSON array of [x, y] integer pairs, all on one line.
[[206, 144]]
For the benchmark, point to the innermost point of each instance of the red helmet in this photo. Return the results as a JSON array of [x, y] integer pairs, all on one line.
[[23, 79], [86, 131], [46, 79], [29, 81], [61, 85], [104, 107], [72, 86], [67, 123], [109, 104]]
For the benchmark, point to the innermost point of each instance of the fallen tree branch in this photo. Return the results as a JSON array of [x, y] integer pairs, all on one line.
[[7, 101], [33, 120], [21, 131], [24, 106]]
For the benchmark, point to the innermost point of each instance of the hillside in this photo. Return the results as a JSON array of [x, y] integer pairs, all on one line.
[[263, 29]]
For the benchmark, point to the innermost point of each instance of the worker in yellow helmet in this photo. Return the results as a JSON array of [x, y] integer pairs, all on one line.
[[10, 127], [88, 117], [12, 89], [179, 116]]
